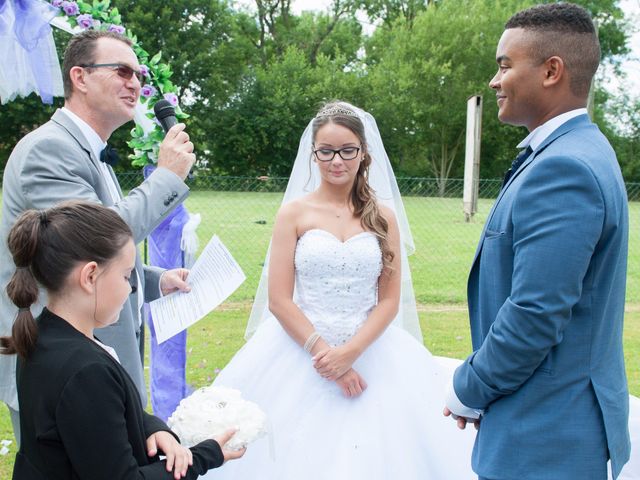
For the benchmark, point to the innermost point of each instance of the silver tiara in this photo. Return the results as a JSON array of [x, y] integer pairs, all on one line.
[[333, 111]]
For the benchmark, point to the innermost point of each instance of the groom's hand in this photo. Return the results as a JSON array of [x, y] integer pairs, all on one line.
[[462, 421], [351, 383]]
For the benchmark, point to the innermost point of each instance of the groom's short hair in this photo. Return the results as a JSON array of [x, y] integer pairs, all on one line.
[[567, 31]]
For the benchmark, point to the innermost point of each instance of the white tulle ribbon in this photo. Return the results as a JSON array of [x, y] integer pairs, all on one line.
[[29, 58], [189, 240]]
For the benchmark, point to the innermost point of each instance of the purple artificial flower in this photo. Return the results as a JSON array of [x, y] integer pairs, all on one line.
[[172, 98], [144, 70], [216, 371], [85, 21], [116, 28], [70, 8], [57, 3], [148, 91]]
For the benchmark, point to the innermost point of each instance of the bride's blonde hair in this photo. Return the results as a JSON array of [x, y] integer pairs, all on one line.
[[362, 196]]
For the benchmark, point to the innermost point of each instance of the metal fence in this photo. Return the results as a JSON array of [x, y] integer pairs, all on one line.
[[240, 210]]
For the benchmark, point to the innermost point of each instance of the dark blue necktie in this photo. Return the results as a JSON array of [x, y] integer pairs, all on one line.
[[515, 165], [109, 156]]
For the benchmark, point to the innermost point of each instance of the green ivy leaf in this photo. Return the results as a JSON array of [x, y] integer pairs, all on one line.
[[156, 58], [168, 87], [84, 7], [164, 70], [139, 160]]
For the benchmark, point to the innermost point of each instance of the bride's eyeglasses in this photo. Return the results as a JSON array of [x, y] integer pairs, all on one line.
[[124, 71], [327, 154]]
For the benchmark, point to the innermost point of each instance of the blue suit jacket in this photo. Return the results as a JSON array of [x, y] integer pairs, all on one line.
[[546, 297]]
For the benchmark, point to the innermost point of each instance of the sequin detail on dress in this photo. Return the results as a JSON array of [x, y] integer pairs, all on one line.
[[336, 282]]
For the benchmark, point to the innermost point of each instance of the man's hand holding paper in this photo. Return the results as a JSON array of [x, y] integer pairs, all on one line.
[[213, 277]]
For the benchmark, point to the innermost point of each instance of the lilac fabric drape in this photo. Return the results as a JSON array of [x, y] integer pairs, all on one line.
[[29, 21], [168, 359]]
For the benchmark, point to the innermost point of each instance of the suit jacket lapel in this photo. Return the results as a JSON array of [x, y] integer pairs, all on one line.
[[65, 122], [563, 129]]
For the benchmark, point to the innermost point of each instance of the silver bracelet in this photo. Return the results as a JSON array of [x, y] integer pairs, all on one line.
[[311, 341]]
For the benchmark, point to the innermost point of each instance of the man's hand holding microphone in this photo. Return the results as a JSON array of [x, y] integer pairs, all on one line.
[[176, 150]]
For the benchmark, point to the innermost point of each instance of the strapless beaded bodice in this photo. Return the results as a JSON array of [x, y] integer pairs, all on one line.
[[336, 282]]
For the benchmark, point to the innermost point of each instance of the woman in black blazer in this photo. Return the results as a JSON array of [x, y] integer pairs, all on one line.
[[80, 413]]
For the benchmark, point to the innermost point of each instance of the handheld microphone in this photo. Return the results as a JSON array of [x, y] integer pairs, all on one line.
[[165, 114]]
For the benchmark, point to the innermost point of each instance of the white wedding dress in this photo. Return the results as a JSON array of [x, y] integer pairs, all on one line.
[[395, 429]]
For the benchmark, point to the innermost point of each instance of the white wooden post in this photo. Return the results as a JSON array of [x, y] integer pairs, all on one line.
[[472, 157]]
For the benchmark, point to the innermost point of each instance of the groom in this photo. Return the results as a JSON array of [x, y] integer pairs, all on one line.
[[546, 290]]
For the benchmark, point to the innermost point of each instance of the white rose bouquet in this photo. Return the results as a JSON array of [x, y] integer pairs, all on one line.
[[211, 411]]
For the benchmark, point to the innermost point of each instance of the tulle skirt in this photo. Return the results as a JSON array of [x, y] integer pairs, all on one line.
[[395, 429]]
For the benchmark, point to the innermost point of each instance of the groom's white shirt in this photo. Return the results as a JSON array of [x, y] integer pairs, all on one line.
[[534, 140]]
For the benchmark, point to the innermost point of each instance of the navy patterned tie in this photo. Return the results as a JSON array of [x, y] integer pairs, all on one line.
[[109, 156], [522, 156]]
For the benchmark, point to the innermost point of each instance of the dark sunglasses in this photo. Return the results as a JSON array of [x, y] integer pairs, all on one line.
[[124, 71]]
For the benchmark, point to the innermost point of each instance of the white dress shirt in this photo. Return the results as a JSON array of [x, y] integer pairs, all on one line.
[[540, 134]]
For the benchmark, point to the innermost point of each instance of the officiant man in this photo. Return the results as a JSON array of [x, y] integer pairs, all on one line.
[[546, 290], [68, 158]]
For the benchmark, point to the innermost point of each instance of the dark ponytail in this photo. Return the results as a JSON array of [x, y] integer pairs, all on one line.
[[22, 289], [46, 245]]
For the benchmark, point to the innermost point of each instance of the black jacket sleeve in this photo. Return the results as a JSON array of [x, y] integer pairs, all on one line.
[[104, 429]]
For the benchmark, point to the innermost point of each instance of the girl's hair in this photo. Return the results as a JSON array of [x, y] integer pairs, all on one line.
[[46, 245], [363, 198]]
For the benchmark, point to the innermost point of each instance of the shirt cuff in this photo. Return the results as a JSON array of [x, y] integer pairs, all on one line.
[[457, 407], [160, 284]]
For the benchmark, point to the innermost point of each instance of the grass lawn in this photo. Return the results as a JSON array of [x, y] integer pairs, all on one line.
[[445, 245], [216, 338]]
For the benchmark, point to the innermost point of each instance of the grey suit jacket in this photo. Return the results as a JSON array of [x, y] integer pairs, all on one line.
[[55, 163]]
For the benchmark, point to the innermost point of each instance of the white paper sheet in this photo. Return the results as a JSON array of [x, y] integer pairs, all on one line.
[[213, 277]]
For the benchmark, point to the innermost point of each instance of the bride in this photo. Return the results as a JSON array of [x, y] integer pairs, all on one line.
[[336, 360]]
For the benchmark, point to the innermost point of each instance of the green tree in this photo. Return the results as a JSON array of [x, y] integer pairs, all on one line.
[[620, 122], [425, 74], [259, 131], [207, 45], [331, 32], [388, 11]]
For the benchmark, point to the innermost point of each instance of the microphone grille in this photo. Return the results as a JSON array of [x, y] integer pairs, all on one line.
[[163, 109]]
